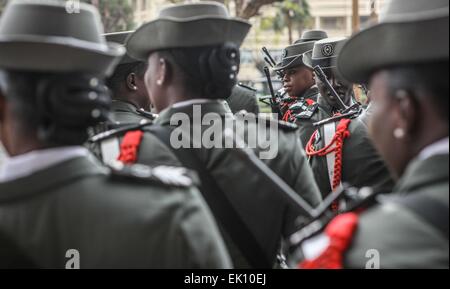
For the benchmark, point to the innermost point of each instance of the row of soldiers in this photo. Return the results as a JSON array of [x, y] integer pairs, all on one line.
[[134, 201]]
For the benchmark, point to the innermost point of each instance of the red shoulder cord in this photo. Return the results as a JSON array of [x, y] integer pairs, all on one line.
[[129, 147], [340, 233], [336, 145]]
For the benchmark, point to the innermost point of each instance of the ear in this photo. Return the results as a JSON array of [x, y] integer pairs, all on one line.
[[409, 111], [164, 72], [131, 81]]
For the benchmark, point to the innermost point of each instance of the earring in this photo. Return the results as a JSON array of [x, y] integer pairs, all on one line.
[[159, 82], [399, 133]]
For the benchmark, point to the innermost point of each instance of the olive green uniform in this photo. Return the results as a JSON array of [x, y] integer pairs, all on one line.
[[385, 227], [132, 222], [127, 113], [243, 98], [261, 208], [362, 166]]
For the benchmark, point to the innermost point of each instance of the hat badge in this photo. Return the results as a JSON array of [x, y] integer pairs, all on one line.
[[327, 50], [285, 53]]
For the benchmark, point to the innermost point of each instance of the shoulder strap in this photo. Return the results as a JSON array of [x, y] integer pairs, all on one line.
[[221, 207], [429, 209]]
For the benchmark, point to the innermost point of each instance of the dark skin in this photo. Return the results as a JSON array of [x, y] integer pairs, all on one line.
[[133, 90], [342, 87], [297, 80], [16, 138], [165, 84], [414, 114]]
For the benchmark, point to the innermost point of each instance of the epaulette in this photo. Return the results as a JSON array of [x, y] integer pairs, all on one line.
[[247, 87], [179, 177], [285, 126], [119, 130]]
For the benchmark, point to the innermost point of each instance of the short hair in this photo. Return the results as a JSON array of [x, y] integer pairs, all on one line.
[[121, 73], [423, 80]]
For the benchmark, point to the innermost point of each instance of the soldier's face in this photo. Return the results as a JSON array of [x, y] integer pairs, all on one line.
[[386, 118], [297, 80], [342, 87]]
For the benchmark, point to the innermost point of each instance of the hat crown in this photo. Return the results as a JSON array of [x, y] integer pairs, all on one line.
[[313, 35], [50, 18], [297, 49], [328, 48], [191, 10], [414, 10]]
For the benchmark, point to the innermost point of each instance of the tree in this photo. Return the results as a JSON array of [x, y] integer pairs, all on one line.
[[117, 15], [2, 5]]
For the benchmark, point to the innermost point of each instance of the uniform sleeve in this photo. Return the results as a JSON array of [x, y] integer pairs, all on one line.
[[201, 246]]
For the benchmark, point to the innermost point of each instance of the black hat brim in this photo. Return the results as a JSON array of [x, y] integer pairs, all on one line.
[[168, 33], [58, 55], [394, 44]]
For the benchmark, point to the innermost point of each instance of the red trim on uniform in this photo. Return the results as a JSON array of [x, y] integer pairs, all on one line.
[[129, 147], [340, 233], [310, 102]]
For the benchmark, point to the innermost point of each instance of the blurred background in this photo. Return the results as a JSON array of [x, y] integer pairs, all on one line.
[[276, 24]]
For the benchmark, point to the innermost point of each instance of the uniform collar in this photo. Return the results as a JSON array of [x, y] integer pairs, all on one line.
[[424, 172], [312, 91], [440, 147], [123, 106], [57, 175], [27, 164], [206, 105]]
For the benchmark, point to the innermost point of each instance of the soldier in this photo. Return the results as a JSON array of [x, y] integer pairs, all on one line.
[[340, 151], [298, 80], [131, 103], [243, 97], [410, 123], [130, 106], [192, 69], [55, 197]]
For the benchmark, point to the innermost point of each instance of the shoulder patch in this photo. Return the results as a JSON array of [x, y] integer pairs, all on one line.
[[162, 175]]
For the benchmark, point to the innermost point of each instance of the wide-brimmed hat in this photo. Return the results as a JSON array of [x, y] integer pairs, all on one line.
[[409, 32], [324, 53], [293, 56], [187, 25], [312, 35], [121, 38], [42, 35]]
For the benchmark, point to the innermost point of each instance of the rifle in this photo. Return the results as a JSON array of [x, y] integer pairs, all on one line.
[[313, 220], [275, 101], [271, 62], [345, 111], [321, 75]]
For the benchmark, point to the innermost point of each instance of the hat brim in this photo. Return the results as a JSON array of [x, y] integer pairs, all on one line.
[[324, 63], [55, 54], [288, 63], [394, 44], [167, 33]]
